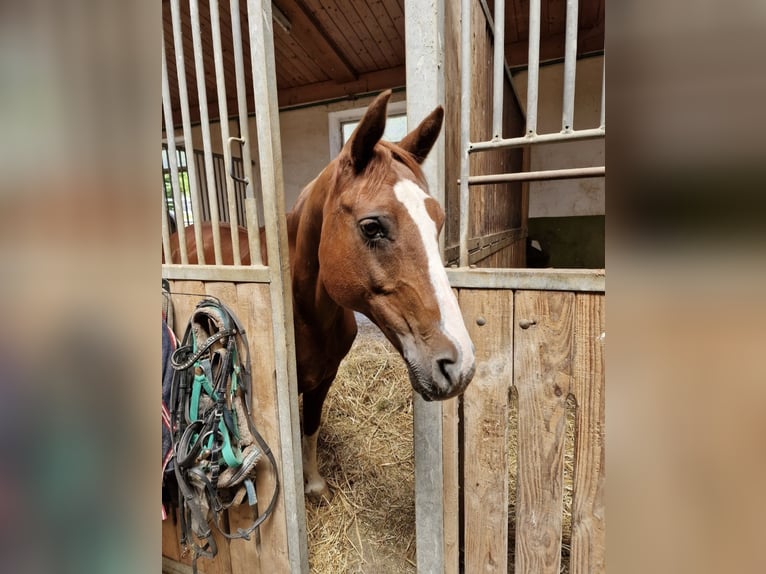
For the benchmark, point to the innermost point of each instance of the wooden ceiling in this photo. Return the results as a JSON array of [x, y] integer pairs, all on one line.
[[328, 49]]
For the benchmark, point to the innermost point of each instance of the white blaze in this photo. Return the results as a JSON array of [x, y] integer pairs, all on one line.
[[414, 199]]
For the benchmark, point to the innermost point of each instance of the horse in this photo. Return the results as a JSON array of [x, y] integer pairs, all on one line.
[[363, 236]]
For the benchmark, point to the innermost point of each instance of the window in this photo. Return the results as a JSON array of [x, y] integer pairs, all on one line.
[[342, 125], [183, 182]]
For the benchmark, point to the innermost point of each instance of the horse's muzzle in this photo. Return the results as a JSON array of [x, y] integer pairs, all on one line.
[[447, 378]]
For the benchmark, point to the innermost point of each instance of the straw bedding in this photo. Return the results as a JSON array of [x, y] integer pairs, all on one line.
[[365, 452]]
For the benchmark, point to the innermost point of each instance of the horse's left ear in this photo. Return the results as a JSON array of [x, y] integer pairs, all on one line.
[[368, 132], [420, 140]]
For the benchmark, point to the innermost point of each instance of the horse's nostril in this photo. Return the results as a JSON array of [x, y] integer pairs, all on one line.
[[447, 369]]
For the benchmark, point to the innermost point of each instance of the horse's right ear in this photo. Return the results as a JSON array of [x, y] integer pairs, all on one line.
[[368, 132]]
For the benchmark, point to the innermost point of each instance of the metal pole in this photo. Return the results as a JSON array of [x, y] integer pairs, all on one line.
[[545, 175], [165, 228], [223, 121], [499, 67], [167, 112], [199, 66], [570, 67], [183, 96], [270, 152], [424, 30], [533, 66], [603, 96], [465, 124], [251, 212], [537, 138]]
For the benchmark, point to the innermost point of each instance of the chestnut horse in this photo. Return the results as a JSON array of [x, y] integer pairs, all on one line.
[[363, 237]]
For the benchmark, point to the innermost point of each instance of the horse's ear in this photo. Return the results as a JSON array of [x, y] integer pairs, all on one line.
[[368, 132], [420, 140]]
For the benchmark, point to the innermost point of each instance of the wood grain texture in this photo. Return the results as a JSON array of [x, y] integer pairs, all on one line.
[[486, 433], [543, 327], [170, 545], [451, 485], [255, 314], [588, 520]]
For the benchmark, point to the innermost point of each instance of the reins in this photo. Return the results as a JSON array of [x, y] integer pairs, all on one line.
[[214, 459]]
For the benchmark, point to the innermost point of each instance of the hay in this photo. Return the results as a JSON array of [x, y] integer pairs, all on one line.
[[365, 452]]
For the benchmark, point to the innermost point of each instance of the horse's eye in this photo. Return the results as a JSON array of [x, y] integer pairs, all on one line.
[[371, 229]]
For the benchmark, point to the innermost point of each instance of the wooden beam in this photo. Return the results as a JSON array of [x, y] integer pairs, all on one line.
[[552, 47], [365, 83], [307, 31]]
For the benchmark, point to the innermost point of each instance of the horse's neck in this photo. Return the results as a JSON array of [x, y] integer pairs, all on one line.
[[304, 227]]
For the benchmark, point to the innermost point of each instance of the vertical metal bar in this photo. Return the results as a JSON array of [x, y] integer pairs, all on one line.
[[499, 68], [533, 65], [570, 68], [603, 97], [270, 152], [167, 112], [465, 124], [183, 96], [223, 121], [424, 33], [165, 227], [251, 212], [199, 67]]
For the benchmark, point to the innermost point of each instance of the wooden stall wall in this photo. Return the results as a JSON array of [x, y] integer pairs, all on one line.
[[266, 552], [497, 216], [540, 364]]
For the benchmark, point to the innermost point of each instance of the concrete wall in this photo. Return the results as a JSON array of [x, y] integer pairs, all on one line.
[[306, 141], [577, 197]]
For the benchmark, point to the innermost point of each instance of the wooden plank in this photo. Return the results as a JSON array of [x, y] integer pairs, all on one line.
[[244, 555], [365, 83], [311, 35], [170, 566], [170, 545], [585, 280], [489, 316], [543, 326], [255, 314], [221, 564], [451, 485], [185, 296], [588, 520]]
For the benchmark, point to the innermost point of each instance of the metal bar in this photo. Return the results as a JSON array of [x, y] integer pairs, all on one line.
[[570, 67], [251, 214], [498, 62], [603, 97], [545, 175], [270, 152], [425, 84], [465, 124], [199, 66], [491, 24], [167, 112], [223, 122], [233, 273], [533, 66], [580, 280], [537, 138], [183, 97], [165, 227]]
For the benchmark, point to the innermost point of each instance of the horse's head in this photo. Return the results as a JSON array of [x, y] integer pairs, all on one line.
[[379, 252]]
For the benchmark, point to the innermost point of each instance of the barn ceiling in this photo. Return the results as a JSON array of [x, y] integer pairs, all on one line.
[[328, 49]]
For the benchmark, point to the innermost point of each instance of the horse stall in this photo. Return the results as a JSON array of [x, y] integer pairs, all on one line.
[[507, 477]]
